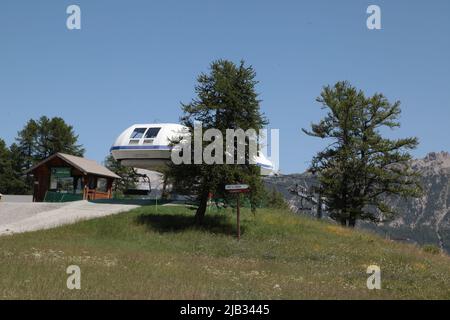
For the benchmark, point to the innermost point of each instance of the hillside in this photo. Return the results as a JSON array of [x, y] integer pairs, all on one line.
[[149, 254], [425, 220]]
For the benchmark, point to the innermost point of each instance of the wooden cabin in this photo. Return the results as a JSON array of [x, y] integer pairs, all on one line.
[[64, 177]]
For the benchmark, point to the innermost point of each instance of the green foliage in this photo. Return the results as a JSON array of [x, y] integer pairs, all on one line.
[[42, 138], [38, 140], [10, 179], [226, 99], [433, 249], [128, 175], [276, 200], [360, 168], [18, 167]]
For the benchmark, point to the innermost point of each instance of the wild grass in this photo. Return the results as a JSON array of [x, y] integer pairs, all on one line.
[[149, 254]]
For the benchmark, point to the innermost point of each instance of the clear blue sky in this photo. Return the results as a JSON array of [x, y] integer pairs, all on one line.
[[135, 61]]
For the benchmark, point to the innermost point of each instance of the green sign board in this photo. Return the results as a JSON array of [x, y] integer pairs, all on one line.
[[61, 172]]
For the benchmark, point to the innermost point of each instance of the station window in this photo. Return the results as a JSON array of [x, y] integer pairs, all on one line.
[[152, 133], [138, 133]]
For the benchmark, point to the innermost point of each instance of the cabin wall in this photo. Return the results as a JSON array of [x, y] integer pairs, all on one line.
[[92, 192], [42, 176], [41, 183]]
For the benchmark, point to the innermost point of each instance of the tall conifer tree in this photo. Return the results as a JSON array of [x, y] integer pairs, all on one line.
[[226, 99], [360, 167]]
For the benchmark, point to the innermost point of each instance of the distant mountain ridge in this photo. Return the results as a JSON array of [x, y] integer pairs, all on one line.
[[425, 220]]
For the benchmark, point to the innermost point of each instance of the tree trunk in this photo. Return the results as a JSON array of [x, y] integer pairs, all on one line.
[[319, 207], [164, 195], [343, 222], [352, 222], [201, 210]]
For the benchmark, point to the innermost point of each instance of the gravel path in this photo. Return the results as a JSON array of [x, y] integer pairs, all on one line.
[[23, 217], [9, 198]]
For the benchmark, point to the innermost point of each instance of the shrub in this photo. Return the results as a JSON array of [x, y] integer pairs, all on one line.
[[276, 200], [431, 248]]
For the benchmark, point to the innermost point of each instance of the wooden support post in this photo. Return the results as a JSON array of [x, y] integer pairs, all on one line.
[[238, 217], [238, 189], [319, 206]]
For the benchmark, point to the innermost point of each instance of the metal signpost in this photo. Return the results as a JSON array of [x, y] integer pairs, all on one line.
[[238, 189]]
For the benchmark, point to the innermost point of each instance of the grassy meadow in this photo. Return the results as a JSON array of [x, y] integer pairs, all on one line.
[[161, 254]]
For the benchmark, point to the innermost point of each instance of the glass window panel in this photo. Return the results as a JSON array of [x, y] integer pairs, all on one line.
[[138, 133], [152, 133], [102, 185], [61, 180]]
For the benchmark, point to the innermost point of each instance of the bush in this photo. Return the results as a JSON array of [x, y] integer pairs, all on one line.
[[431, 248], [276, 200]]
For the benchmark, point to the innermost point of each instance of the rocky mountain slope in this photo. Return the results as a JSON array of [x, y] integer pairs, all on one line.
[[425, 220]]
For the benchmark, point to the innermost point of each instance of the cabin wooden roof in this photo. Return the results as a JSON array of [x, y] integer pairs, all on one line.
[[84, 165]]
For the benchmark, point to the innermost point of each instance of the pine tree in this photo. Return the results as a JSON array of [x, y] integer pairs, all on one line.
[[38, 140], [42, 138], [360, 167], [10, 181], [226, 99], [276, 200], [26, 144], [128, 175], [18, 167]]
